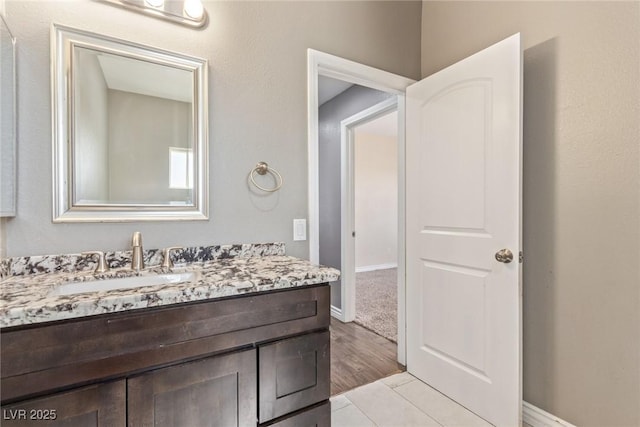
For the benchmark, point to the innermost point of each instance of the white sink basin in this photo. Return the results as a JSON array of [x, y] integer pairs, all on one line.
[[72, 288]]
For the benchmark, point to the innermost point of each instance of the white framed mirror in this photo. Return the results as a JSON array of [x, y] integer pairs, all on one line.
[[130, 130]]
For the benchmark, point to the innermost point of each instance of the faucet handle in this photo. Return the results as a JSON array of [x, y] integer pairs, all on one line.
[[166, 254], [102, 266]]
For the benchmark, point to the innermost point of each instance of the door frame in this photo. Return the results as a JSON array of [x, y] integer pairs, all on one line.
[[320, 63], [347, 203]]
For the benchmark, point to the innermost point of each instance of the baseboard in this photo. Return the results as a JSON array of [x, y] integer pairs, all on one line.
[[337, 313], [376, 267], [536, 417]]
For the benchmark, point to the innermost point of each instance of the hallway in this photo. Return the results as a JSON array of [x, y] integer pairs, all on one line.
[[358, 357]]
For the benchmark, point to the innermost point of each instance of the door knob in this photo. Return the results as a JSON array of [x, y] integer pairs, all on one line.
[[504, 255]]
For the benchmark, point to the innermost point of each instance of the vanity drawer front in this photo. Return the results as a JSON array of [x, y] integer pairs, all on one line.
[[216, 391], [319, 416], [62, 354], [294, 373], [101, 405]]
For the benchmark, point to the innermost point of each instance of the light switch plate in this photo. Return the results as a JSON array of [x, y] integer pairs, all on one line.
[[299, 229]]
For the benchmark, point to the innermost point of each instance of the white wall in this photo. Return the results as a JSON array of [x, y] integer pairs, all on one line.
[[581, 193], [258, 84], [376, 199]]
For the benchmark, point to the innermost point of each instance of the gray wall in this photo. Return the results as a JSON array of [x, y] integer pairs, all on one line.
[[257, 100], [330, 114], [91, 130], [7, 123], [581, 180], [141, 130]]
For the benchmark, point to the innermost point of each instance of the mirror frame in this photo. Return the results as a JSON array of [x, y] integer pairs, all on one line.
[[63, 41]]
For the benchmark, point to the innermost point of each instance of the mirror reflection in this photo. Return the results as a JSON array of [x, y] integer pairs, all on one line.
[[133, 131], [130, 130]]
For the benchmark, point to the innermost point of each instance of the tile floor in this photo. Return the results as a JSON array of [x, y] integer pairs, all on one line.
[[400, 400]]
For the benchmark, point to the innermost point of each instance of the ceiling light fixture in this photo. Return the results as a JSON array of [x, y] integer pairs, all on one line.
[[155, 3], [188, 12], [193, 8]]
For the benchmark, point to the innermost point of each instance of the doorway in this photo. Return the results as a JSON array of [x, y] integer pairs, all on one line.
[[462, 205], [370, 218], [392, 86]]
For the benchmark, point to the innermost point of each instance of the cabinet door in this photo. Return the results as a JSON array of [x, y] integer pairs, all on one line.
[[319, 416], [101, 405], [217, 392], [294, 373]]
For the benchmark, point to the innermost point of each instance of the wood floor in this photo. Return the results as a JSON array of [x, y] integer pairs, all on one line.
[[359, 356]]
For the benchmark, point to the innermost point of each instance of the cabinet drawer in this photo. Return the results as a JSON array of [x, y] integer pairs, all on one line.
[[218, 392], [100, 405], [44, 358], [319, 416], [294, 373]]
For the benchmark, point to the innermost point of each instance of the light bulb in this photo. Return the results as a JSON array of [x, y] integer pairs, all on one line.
[[193, 8], [155, 3]]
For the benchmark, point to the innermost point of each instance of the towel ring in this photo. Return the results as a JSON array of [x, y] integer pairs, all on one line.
[[262, 168]]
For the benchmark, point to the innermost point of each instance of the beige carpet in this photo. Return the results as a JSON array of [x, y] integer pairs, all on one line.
[[377, 302]]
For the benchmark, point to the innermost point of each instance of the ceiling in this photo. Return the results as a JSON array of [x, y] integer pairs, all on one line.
[[386, 125], [329, 88], [145, 78]]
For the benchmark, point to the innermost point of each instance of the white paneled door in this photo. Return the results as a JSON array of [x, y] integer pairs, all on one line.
[[464, 145]]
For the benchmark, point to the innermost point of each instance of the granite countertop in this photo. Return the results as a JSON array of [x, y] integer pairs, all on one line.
[[31, 299]]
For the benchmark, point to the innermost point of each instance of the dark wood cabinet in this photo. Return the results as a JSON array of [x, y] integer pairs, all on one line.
[[189, 364], [318, 416], [100, 405], [218, 391], [294, 373]]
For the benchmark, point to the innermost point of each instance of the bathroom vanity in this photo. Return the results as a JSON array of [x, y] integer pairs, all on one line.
[[245, 344]]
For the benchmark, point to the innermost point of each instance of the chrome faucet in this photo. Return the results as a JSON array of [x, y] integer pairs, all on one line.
[[167, 262], [102, 266], [137, 256]]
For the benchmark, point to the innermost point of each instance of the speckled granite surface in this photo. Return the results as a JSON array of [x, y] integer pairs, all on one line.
[[31, 298], [71, 263]]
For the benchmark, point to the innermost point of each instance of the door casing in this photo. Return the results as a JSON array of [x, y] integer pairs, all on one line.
[[324, 64]]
